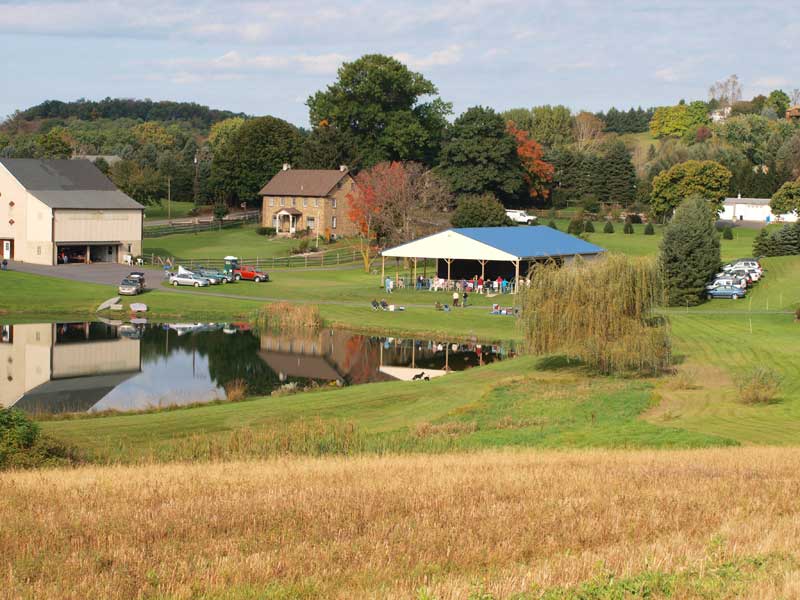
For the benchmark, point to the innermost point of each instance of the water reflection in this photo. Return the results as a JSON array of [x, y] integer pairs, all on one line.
[[77, 367]]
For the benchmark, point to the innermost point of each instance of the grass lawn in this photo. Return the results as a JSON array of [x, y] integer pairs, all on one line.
[[243, 242], [638, 244], [159, 211]]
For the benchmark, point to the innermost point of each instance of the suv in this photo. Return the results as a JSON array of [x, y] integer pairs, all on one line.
[[520, 216], [249, 274], [747, 264]]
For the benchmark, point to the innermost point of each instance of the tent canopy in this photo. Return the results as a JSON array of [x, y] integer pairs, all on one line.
[[495, 244]]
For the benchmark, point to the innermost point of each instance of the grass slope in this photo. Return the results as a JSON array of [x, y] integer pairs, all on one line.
[[177, 210]]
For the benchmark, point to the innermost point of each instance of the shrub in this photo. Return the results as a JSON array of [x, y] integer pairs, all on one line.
[[598, 312], [302, 246], [649, 229], [588, 227], [608, 227], [23, 446], [285, 316], [220, 210], [268, 231], [552, 224], [236, 390], [575, 226], [759, 385], [727, 233], [628, 228], [480, 211]]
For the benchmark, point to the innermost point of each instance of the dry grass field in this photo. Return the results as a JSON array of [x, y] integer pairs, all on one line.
[[592, 524]]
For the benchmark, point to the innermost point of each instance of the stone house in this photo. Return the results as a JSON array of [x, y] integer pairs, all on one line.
[[297, 200]]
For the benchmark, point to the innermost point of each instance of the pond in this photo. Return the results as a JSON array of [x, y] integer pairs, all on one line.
[[48, 368]]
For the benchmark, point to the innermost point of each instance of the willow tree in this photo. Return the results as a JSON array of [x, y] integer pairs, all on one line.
[[600, 312]]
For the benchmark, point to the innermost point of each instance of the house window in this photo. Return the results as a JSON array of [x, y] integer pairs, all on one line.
[[312, 222], [39, 250], [282, 199], [293, 199], [272, 201], [316, 202], [305, 202], [333, 202], [333, 222]]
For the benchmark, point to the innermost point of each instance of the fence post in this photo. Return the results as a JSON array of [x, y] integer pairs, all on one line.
[[306, 260], [337, 257]]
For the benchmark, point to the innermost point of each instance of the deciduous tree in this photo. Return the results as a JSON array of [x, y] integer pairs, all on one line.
[[587, 130], [787, 198], [538, 173], [480, 211], [694, 178]]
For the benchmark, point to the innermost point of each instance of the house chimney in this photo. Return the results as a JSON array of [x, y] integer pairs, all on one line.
[[286, 166], [343, 168]]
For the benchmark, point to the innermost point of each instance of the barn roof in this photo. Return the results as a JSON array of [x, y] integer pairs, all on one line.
[[64, 183], [495, 243]]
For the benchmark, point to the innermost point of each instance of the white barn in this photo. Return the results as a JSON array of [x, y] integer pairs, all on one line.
[[752, 209], [56, 211]]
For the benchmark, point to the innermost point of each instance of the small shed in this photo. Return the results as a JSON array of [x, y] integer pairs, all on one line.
[[491, 252], [753, 210]]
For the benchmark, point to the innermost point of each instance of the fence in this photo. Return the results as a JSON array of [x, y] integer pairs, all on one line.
[[198, 225], [330, 258]]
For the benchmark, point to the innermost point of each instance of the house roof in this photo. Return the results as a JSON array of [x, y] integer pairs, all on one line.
[[495, 243], [289, 211], [63, 183], [754, 201], [303, 182]]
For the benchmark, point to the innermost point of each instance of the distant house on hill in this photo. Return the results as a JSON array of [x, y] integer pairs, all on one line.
[[720, 114], [65, 211], [312, 199], [753, 210]]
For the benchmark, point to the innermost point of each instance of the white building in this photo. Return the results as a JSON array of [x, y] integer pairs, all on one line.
[[752, 209], [56, 211]]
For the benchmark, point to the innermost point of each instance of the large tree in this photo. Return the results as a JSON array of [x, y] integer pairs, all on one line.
[[706, 179], [480, 156], [538, 173], [327, 147], [786, 199], [392, 112], [690, 252], [482, 210], [252, 156], [620, 174]]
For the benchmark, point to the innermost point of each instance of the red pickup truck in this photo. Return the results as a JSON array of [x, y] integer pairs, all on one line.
[[249, 274]]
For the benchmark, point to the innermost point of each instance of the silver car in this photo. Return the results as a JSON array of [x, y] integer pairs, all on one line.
[[129, 287], [189, 279]]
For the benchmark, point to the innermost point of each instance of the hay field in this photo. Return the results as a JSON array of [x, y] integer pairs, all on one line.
[[593, 524]]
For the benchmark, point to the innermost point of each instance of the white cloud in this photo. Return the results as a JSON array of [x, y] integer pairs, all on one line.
[[668, 74], [439, 58]]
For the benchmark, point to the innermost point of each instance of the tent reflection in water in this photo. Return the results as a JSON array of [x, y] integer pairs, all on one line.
[[490, 252]]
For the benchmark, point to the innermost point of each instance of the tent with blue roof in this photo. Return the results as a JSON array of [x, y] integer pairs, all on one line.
[[489, 252]]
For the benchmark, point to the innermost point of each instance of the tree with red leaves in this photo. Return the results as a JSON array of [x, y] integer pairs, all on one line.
[[538, 173], [362, 210]]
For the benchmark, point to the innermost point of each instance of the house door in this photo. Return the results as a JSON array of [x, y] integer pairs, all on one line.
[[7, 250]]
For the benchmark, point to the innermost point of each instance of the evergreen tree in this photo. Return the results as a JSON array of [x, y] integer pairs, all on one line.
[[690, 252], [575, 226], [628, 228], [761, 244], [620, 174], [608, 227], [649, 229], [588, 227]]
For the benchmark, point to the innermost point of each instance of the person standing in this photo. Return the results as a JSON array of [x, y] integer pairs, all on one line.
[[465, 297], [455, 298]]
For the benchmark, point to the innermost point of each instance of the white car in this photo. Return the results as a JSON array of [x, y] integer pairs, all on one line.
[[189, 279], [520, 216], [727, 281], [744, 265]]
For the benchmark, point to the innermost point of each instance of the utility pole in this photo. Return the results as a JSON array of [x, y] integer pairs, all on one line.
[[169, 198], [196, 186]]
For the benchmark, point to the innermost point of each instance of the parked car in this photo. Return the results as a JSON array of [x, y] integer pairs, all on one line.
[[520, 216], [129, 287], [189, 279], [727, 281], [749, 264], [734, 293], [137, 276], [249, 274], [214, 275]]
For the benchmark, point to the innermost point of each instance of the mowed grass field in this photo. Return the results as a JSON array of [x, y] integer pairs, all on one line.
[[175, 210], [525, 525]]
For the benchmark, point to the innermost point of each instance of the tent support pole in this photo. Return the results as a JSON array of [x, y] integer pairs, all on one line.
[[449, 262], [415, 273], [397, 272], [516, 279], [383, 270], [483, 269]]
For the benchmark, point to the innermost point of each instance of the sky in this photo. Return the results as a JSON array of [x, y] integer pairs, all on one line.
[[268, 57]]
